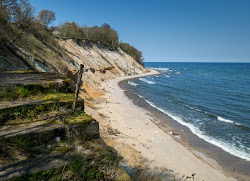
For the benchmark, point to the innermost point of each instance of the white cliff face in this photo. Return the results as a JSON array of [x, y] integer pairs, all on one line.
[[100, 63], [98, 57]]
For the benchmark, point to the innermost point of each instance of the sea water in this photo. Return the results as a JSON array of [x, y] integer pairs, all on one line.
[[212, 99]]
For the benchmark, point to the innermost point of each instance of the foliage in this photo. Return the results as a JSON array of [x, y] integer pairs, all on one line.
[[43, 175], [12, 94], [20, 14], [106, 25], [104, 34], [71, 30], [77, 163], [24, 91], [100, 165], [132, 51], [46, 17]]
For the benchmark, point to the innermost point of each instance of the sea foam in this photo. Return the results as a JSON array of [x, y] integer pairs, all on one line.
[[224, 120], [161, 69], [225, 146], [147, 81], [132, 83]]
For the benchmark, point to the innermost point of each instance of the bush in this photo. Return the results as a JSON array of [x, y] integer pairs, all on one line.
[[20, 15], [104, 35], [132, 51]]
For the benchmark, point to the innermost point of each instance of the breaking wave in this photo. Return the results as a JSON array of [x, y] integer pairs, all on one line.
[[225, 146], [132, 83], [224, 120], [147, 81]]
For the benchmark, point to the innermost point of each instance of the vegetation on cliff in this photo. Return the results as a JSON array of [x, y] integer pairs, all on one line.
[[105, 35], [132, 51], [18, 15]]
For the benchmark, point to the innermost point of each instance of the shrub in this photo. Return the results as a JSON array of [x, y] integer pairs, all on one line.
[[132, 51], [104, 35]]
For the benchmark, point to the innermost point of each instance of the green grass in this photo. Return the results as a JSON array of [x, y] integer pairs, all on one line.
[[29, 141], [25, 91], [30, 145], [77, 163], [24, 72], [51, 103], [53, 175], [100, 164], [78, 118], [51, 110]]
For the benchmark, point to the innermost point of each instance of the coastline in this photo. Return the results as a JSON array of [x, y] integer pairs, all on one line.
[[214, 155], [153, 149]]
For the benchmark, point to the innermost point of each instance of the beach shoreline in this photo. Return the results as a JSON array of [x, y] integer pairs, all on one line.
[[234, 166], [161, 153]]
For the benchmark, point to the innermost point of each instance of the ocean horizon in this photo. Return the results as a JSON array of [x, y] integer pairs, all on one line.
[[211, 99]]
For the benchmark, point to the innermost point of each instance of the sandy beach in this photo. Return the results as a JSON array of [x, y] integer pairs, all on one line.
[[131, 131]]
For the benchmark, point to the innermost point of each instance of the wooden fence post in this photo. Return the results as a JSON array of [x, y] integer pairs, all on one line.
[[79, 78]]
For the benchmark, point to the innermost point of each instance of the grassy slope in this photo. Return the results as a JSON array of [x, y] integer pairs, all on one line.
[[101, 162]]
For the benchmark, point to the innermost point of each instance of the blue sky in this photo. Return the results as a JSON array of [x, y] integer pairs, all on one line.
[[167, 30]]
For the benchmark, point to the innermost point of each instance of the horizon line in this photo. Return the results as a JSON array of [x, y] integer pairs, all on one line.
[[190, 62]]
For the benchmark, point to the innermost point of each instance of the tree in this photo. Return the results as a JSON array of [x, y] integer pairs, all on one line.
[[132, 51], [21, 13], [46, 17], [7, 4], [106, 25]]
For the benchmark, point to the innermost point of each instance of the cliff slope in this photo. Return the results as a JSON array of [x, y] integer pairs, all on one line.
[[100, 63], [47, 54]]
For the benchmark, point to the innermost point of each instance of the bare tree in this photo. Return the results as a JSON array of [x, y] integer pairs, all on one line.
[[23, 14], [5, 4], [46, 17], [19, 11]]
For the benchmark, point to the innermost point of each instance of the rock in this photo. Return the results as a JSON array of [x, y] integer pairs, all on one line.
[[58, 139]]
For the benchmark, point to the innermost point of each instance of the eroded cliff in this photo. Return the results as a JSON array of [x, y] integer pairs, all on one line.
[[64, 56]]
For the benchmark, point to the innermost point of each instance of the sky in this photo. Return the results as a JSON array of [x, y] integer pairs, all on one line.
[[167, 30]]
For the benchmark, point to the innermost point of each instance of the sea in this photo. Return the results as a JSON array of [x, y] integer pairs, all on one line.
[[211, 99]]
